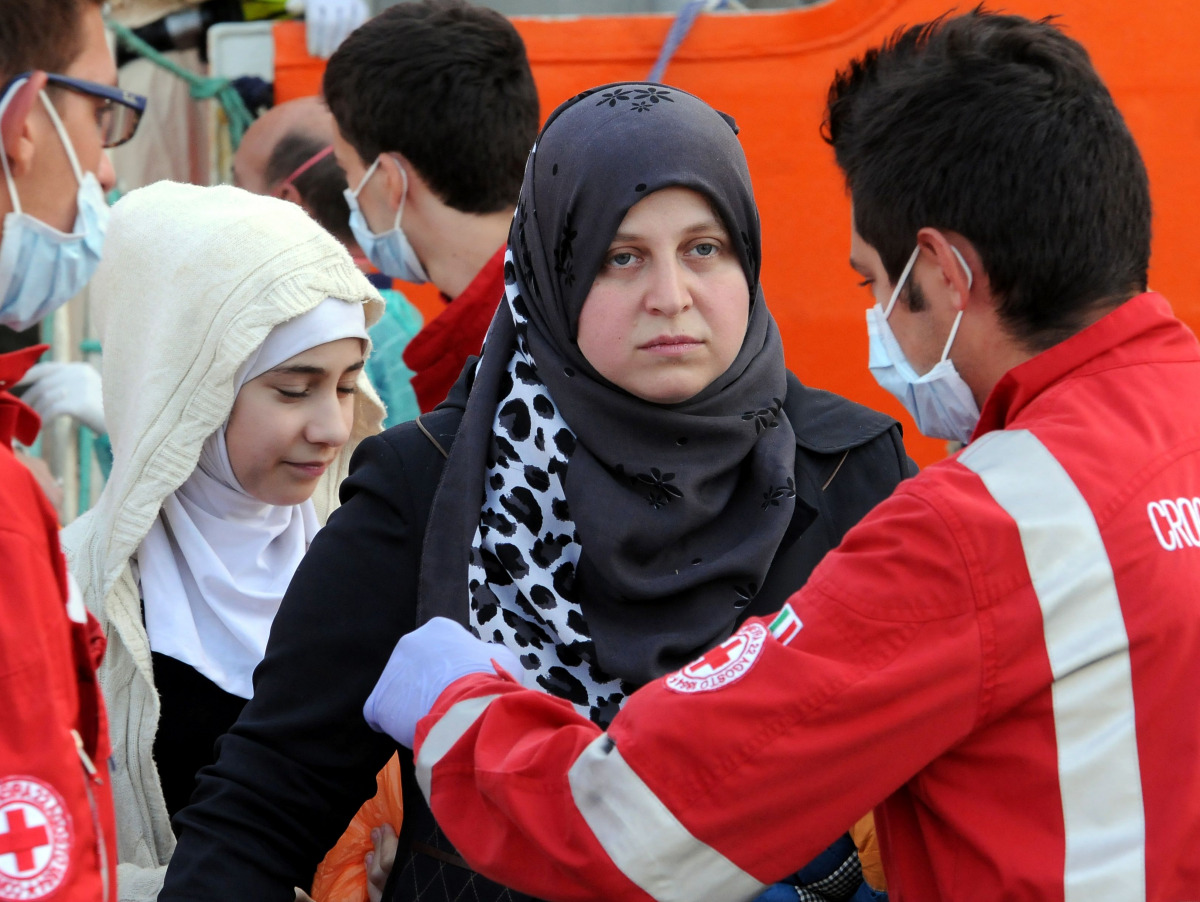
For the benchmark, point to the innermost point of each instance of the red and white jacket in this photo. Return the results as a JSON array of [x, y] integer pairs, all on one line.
[[57, 834], [1003, 658]]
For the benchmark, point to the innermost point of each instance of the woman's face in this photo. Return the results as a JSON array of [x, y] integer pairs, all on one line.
[[667, 312], [288, 424]]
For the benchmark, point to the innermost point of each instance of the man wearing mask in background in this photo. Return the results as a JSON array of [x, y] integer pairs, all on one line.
[[436, 111], [1004, 656], [58, 112], [287, 152]]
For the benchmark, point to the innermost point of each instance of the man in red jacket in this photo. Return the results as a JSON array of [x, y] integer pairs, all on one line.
[[59, 109], [1003, 657], [436, 111]]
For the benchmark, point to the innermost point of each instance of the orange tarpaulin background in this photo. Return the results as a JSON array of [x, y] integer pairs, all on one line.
[[771, 71]]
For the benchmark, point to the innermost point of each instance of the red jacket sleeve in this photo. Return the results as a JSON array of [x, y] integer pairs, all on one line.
[[874, 671], [56, 817]]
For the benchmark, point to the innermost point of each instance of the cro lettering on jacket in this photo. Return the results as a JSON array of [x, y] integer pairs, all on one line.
[[1175, 522]]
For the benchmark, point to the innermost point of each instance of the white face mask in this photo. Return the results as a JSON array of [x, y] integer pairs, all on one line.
[[42, 268], [940, 402], [390, 251]]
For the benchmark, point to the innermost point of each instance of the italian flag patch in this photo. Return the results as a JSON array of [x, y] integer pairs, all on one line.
[[786, 625]]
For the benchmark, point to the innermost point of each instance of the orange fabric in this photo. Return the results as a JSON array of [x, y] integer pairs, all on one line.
[[342, 876], [863, 834], [296, 73], [771, 71]]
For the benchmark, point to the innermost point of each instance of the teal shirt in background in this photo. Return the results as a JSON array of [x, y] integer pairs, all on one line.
[[385, 367]]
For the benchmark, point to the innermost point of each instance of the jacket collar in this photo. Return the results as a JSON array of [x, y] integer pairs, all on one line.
[[17, 419], [826, 423], [1128, 334], [831, 426], [466, 317]]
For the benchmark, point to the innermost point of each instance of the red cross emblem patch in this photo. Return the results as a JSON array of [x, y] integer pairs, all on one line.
[[723, 665], [35, 839]]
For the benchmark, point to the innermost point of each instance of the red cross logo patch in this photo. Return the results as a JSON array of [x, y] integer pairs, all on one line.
[[723, 665], [35, 839]]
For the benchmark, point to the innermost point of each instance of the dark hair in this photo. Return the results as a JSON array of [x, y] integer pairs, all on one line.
[[447, 85], [1000, 129], [320, 186], [40, 34]]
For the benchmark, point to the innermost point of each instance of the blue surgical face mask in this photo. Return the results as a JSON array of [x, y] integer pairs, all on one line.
[[42, 268], [390, 251], [940, 401]]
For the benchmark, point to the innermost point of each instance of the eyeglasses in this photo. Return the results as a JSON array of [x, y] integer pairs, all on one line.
[[119, 112], [117, 115]]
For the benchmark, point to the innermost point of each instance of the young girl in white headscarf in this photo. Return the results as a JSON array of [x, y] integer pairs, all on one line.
[[234, 335]]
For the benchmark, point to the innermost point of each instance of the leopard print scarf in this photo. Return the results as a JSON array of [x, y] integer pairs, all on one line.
[[521, 575]]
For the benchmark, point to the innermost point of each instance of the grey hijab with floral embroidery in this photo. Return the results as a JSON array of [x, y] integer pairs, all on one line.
[[678, 509]]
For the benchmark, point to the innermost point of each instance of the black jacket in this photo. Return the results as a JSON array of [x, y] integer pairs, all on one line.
[[300, 760]]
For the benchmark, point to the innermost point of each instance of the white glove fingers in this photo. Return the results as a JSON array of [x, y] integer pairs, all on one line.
[[72, 389], [56, 407], [423, 663], [38, 396], [38, 371]]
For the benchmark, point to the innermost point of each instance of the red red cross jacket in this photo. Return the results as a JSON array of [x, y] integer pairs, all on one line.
[[1003, 658], [57, 834]]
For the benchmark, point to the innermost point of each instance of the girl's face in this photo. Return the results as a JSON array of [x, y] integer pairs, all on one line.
[[288, 424], [668, 310]]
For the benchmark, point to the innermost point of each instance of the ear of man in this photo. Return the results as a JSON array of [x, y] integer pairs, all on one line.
[[949, 275], [16, 130], [288, 192], [291, 194], [396, 182]]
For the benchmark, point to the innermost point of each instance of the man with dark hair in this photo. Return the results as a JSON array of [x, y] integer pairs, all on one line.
[[999, 656], [436, 110], [59, 110], [1059, 206]]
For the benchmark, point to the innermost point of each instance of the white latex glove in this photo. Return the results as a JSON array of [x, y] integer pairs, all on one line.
[[65, 389], [422, 665], [327, 22]]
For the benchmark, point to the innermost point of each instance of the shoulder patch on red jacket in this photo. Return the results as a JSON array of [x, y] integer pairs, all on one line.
[[786, 624], [35, 839], [723, 665]]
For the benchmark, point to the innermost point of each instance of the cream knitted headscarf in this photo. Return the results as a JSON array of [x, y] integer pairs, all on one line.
[[192, 282], [217, 561]]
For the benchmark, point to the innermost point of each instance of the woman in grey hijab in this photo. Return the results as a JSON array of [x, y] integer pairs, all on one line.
[[638, 449], [621, 466]]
